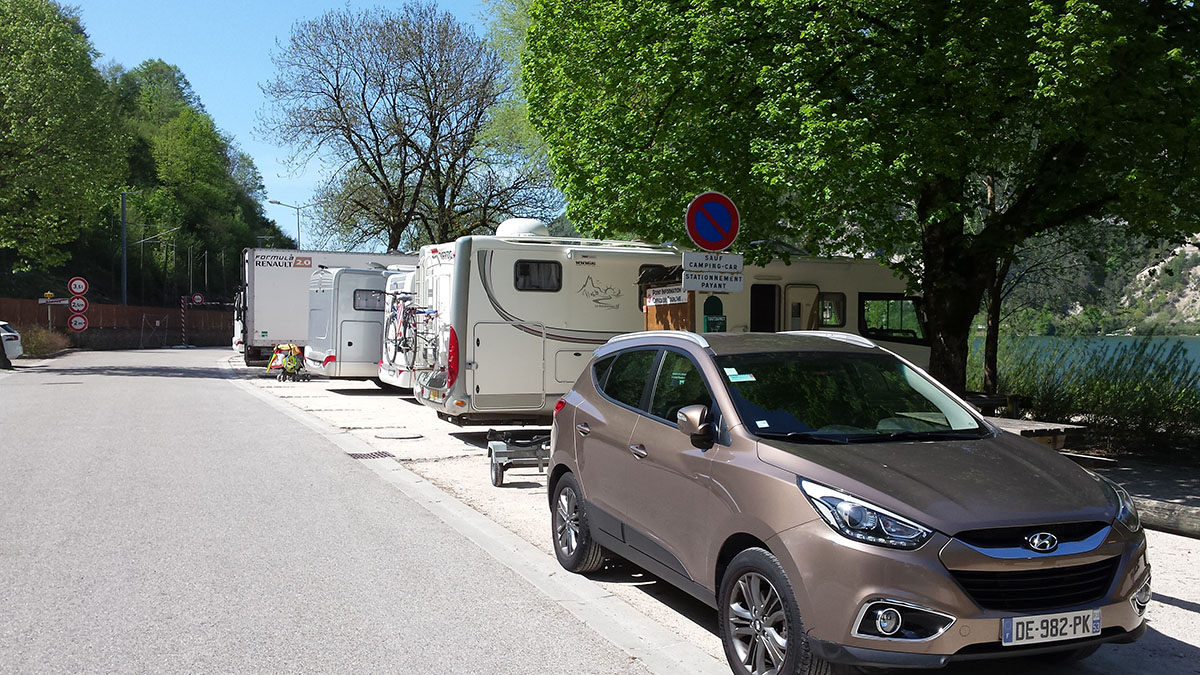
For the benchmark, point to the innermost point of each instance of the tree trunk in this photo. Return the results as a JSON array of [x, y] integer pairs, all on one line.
[[991, 341], [952, 284]]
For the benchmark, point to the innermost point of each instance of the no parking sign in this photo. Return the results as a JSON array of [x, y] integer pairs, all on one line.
[[712, 221]]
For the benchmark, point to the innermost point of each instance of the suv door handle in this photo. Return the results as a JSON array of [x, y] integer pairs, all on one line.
[[583, 429], [638, 450]]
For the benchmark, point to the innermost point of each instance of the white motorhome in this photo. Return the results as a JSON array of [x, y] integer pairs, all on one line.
[[503, 325], [273, 300], [346, 312], [849, 295], [393, 364]]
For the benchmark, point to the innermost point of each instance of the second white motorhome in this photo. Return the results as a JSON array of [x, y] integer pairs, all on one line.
[[345, 321], [393, 363]]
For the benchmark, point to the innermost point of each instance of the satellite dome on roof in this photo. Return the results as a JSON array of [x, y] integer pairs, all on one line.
[[522, 227]]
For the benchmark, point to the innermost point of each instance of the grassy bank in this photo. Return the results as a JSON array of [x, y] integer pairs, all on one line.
[[1141, 397]]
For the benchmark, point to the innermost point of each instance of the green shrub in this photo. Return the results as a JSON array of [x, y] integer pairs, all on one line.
[[1140, 396], [38, 341]]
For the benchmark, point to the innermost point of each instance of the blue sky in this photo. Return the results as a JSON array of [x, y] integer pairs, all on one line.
[[224, 48]]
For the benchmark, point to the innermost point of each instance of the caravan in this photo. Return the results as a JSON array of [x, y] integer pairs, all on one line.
[[345, 320]]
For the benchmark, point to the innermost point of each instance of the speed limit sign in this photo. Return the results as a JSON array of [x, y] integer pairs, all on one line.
[[78, 323], [78, 304]]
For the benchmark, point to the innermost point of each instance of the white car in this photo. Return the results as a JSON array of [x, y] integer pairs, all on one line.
[[12, 341]]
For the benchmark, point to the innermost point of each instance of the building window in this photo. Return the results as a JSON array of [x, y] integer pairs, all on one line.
[[537, 275]]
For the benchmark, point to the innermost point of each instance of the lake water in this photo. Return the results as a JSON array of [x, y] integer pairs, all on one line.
[[1094, 346]]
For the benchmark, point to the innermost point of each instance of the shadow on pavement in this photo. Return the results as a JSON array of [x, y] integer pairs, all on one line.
[[1174, 483], [198, 372], [620, 571], [1176, 602], [392, 393]]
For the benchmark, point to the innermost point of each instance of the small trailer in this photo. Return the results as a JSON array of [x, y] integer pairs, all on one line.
[[506, 451], [345, 321]]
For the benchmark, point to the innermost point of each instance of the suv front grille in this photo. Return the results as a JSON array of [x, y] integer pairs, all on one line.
[[1040, 589], [1001, 537]]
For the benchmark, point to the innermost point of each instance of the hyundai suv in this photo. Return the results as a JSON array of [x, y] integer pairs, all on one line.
[[837, 506]]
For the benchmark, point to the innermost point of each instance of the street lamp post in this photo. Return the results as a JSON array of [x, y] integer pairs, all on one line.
[[298, 208], [124, 248]]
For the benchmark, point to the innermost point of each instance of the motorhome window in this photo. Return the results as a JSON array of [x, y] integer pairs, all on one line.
[[537, 275], [366, 300], [627, 378], [890, 317], [832, 307]]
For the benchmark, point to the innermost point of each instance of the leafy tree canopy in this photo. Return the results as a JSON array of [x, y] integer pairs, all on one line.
[[875, 126], [60, 144]]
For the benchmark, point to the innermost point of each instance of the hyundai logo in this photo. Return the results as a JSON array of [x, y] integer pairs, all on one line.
[[1042, 542]]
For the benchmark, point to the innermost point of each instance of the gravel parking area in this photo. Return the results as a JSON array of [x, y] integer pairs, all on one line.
[[455, 460]]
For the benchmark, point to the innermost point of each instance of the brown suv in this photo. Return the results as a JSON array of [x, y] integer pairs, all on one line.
[[837, 506]]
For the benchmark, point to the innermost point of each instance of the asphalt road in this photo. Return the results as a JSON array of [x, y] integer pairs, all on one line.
[[155, 517], [160, 513]]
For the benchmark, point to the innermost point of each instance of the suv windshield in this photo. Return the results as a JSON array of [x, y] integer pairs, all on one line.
[[841, 397]]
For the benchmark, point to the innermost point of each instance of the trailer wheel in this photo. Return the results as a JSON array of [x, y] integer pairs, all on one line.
[[497, 471]]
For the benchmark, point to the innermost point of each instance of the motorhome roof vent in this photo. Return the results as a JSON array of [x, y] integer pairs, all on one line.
[[522, 227]]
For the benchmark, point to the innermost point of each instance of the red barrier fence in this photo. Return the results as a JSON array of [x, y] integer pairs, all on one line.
[[121, 326]]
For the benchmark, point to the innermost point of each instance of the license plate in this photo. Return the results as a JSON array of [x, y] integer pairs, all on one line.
[[1027, 630], [434, 394]]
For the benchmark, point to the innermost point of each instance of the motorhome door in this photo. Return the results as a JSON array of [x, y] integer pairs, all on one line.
[[509, 365], [799, 303]]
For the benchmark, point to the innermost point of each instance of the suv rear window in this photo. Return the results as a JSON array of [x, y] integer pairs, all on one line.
[[627, 377]]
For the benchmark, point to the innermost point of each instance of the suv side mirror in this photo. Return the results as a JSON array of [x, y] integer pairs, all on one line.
[[693, 421]]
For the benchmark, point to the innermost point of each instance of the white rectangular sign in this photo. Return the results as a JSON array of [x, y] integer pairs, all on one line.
[[712, 262], [53, 301], [668, 295], [712, 282]]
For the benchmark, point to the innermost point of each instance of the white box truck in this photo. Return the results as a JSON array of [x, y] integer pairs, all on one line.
[[273, 300]]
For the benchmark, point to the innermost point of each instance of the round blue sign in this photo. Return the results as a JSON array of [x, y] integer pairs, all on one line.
[[712, 221]]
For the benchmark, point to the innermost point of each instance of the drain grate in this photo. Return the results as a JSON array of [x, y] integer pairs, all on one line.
[[370, 455]]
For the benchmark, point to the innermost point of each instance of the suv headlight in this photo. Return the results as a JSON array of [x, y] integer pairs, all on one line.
[[1127, 514], [863, 521]]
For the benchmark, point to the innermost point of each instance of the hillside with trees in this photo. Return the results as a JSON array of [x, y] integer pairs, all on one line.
[[76, 135]]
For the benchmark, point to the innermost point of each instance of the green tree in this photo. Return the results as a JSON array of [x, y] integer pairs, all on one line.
[[398, 106], [60, 143], [875, 126]]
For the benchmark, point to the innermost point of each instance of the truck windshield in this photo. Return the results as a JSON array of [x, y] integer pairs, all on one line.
[[841, 397]]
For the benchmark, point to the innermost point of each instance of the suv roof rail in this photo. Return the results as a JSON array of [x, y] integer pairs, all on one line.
[[852, 338], [681, 334]]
